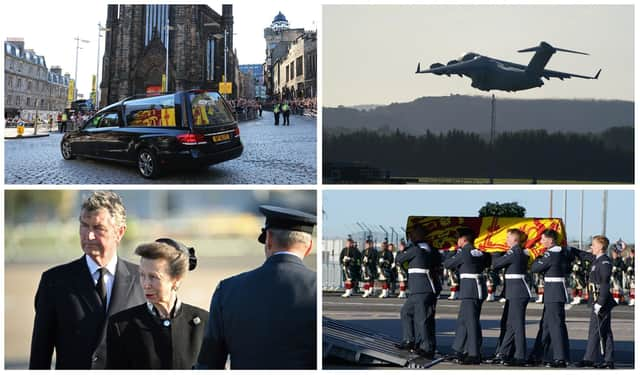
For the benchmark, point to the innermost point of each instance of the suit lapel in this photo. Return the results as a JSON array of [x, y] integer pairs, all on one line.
[[122, 286], [84, 284]]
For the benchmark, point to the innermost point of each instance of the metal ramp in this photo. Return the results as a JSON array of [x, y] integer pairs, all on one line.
[[360, 345]]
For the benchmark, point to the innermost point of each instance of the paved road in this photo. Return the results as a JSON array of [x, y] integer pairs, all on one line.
[[272, 155], [382, 315]]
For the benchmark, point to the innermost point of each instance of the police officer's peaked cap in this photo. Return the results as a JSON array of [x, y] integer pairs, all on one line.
[[286, 218], [349, 238], [465, 232]]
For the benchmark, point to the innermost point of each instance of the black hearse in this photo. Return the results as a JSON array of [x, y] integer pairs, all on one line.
[[194, 128]]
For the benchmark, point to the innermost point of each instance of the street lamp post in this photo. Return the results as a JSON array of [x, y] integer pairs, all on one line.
[[166, 41], [75, 75], [97, 98]]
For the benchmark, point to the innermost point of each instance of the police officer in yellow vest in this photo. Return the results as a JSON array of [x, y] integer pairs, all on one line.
[[276, 113], [285, 113]]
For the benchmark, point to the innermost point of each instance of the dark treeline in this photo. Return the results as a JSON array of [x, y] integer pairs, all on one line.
[[530, 154]]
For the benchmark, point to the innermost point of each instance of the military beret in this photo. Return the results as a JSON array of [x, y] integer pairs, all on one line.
[[287, 219]]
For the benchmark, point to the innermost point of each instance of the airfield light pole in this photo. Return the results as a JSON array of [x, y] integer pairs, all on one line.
[[491, 138], [604, 213], [581, 218], [564, 211]]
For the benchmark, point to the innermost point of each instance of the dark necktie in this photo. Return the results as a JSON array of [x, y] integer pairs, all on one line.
[[101, 288]]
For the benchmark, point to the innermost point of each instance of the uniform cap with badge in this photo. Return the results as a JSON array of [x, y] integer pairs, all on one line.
[[286, 219]]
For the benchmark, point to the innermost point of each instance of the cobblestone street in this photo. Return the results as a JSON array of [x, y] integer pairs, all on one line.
[[272, 155]]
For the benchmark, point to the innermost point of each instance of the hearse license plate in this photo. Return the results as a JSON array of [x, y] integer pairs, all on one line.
[[221, 137]]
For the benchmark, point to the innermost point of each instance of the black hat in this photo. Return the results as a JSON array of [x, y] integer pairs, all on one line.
[[189, 251], [349, 238], [286, 218]]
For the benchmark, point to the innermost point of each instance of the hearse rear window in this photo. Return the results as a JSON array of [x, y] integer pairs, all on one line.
[[157, 111], [208, 108]]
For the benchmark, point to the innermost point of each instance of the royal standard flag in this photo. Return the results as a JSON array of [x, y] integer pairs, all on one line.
[[491, 231]]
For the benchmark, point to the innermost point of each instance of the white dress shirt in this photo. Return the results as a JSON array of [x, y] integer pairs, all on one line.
[[108, 277]]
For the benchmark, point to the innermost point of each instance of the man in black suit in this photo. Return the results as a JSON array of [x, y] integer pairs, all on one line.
[[74, 300], [274, 326]]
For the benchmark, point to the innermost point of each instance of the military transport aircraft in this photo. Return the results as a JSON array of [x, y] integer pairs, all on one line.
[[487, 73]]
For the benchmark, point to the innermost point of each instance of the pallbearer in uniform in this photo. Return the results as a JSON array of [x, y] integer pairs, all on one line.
[[369, 267], [385, 264], [469, 262], [266, 318], [518, 295], [350, 259], [554, 265], [418, 312], [600, 340]]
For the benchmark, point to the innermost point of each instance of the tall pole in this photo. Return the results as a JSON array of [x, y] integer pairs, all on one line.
[[225, 55], [96, 104], [604, 212], [581, 218], [491, 138], [75, 75], [166, 44], [564, 211], [550, 203]]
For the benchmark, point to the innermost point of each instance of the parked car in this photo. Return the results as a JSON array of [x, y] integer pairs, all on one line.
[[194, 128]]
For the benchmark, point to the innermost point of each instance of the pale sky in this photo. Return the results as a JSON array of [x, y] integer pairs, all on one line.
[[343, 208], [49, 28], [370, 52]]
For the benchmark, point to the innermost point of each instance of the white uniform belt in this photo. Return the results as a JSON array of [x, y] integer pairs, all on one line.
[[514, 276], [470, 275], [418, 270], [554, 279]]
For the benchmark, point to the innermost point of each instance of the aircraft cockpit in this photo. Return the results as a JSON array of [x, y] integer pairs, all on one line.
[[469, 56]]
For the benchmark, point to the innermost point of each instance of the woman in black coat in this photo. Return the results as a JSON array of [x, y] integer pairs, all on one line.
[[163, 333]]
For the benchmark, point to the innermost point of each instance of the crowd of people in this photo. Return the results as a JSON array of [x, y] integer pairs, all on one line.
[[603, 278]]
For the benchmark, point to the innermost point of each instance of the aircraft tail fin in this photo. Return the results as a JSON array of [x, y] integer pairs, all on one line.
[[418, 69], [543, 53]]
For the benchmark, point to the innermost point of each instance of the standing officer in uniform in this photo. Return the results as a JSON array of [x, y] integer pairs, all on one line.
[[554, 264], [75, 300], [369, 267], [385, 263], [276, 327], [518, 295], [276, 113], [469, 262], [419, 311], [401, 271], [600, 338], [350, 259]]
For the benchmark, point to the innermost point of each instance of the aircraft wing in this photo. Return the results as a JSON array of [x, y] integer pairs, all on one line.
[[459, 68], [554, 74]]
